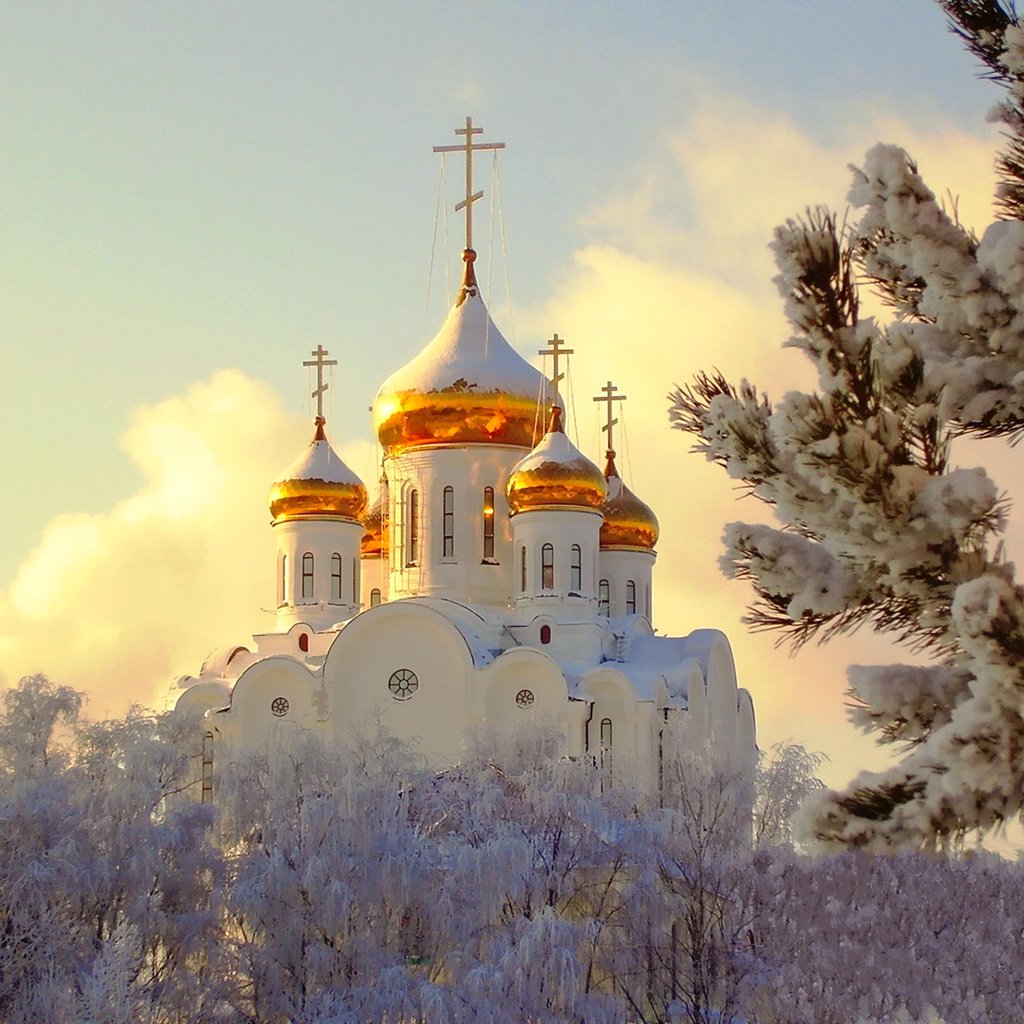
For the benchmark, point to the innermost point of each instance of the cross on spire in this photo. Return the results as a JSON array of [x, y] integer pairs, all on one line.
[[555, 351], [320, 362], [469, 147], [609, 398]]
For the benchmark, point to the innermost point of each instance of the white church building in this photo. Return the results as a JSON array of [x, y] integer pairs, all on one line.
[[499, 579]]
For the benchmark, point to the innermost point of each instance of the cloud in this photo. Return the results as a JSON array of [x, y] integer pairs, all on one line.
[[118, 604]]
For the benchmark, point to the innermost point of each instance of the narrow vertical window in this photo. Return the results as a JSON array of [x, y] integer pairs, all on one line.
[[284, 579], [355, 581], [335, 577], [307, 575], [545, 634], [603, 601], [576, 569], [606, 744], [414, 527], [304, 642], [374, 597], [448, 523], [630, 597], [522, 569], [547, 567], [647, 600], [489, 523]]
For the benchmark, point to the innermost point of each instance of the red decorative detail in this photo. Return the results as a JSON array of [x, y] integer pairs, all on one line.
[[303, 641], [545, 634]]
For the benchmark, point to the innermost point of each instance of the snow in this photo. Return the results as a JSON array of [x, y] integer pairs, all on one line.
[[320, 462]]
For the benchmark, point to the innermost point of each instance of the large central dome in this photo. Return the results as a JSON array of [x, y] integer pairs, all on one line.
[[468, 386]]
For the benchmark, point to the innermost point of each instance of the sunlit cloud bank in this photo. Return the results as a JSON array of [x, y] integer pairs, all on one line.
[[677, 278], [120, 603]]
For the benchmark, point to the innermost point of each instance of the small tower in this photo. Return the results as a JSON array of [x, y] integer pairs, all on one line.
[[628, 536], [317, 506], [555, 496]]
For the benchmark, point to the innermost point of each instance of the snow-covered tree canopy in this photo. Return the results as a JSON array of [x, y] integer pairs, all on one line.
[[877, 526]]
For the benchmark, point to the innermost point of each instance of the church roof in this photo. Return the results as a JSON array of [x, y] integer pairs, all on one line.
[[317, 484], [467, 385]]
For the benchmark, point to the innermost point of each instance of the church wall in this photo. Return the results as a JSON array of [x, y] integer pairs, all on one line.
[[465, 573], [407, 668], [525, 688], [323, 600], [619, 567]]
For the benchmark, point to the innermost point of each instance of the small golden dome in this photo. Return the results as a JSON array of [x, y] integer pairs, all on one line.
[[555, 474], [468, 386], [376, 542], [317, 485], [628, 521]]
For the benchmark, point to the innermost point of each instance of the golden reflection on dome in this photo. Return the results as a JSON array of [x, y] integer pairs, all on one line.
[[305, 497], [556, 474], [409, 419], [376, 542], [628, 521]]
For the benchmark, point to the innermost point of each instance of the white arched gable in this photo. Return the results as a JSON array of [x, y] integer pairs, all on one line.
[[406, 667], [523, 687], [272, 697]]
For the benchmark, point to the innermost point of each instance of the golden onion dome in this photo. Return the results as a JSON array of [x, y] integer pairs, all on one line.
[[317, 485], [628, 522], [555, 474], [468, 386], [376, 540]]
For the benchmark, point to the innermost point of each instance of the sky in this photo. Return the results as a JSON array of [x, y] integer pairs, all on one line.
[[193, 196]]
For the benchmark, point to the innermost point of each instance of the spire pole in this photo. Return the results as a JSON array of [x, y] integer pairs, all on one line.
[[320, 362], [469, 147]]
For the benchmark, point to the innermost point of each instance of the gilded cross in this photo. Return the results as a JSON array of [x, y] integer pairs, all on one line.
[[609, 397], [555, 351], [320, 362], [469, 147]]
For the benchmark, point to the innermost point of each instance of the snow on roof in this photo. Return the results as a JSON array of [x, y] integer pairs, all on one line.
[[468, 352], [320, 462]]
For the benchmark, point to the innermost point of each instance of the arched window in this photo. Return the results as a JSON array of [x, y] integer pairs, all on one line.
[[606, 743], [522, 569], [448, 523], [303, 641], [375, 597], [284, 579], [307, 575], [489, 523], [335, 577], [545, 634], [575, 569], [547, 567], [414, 528], [603, 599], [630, 597], [355, 581], [647, 600]]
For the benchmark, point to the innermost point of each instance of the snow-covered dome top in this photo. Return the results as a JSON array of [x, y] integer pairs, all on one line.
[[317, 484], [376, 540], [467, 386], [628, 521], [556, 473]]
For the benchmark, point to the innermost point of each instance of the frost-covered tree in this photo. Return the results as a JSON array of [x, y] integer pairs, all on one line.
[[878, 526]]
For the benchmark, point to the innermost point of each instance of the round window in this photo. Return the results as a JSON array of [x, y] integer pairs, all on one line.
[[524, 698], [279, 707], [403, 683]]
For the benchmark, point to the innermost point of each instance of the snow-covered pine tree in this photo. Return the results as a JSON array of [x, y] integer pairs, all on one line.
[[877, 526]]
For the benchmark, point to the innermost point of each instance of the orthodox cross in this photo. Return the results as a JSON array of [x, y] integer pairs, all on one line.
[[555, 351], [469, 147], [609, 397], [320, 362]]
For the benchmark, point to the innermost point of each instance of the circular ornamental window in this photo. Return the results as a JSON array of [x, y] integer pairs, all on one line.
[[403, 683], [279, 707], [524, 698]]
